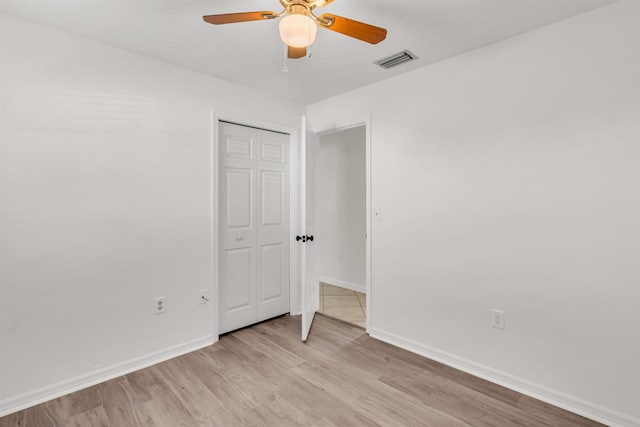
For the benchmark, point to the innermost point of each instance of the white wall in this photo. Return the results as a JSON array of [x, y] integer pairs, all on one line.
[[341, 208], [508, 178], [106, 203]]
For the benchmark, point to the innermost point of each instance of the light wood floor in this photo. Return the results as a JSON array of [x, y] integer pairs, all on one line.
[[264, 376]]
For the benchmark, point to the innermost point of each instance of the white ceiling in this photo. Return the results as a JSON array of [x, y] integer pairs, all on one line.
[[251, 53]]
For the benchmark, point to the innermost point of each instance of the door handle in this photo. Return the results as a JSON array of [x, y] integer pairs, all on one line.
[[239, 237], [303, 238], [310, 238]]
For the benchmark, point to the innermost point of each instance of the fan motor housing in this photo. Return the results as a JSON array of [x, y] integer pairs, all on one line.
[[298, 8]]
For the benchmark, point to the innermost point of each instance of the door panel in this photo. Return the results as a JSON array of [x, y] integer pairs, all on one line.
[[273, 151], [254, 192], [239, 264], [238, 296], [272, 271], [239, 198], [240, 146], [272, 198]]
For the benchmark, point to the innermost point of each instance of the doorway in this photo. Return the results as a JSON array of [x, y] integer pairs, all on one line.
[[341, 211], [254, 225]]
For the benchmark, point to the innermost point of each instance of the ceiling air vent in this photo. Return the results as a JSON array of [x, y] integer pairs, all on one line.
[[395, 59]]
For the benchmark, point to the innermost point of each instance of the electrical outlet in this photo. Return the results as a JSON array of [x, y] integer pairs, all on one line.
[[160, 305], [203, 296], [497, 319]]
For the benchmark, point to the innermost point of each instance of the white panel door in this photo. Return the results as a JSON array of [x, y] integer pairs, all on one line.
[[309, 249], [273, 234], [238, 227], [254, 225]]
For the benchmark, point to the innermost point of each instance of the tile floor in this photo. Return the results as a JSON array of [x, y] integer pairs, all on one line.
[[343, 304]]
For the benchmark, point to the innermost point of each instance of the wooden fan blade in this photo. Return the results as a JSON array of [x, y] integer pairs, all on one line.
[[321, 3], [349, 27], [296, 52], [229, 18]]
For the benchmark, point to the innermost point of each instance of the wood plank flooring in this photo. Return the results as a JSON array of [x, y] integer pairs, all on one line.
[[265, 376]]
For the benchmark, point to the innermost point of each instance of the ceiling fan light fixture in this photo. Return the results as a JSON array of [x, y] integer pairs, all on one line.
[[299, 25], [298, 30]]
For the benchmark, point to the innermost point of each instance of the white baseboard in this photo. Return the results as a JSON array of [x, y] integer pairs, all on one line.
[[553, 397], [44, 394], [343, 284]]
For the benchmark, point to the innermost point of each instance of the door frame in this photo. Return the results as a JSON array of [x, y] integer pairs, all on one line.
[[294, 141], [338, 126]]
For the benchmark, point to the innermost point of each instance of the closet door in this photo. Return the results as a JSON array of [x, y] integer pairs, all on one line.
[[273, 235], [238, 227], [254, 223]]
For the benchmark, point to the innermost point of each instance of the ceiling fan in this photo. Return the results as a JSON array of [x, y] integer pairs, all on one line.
[[299, 27]]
